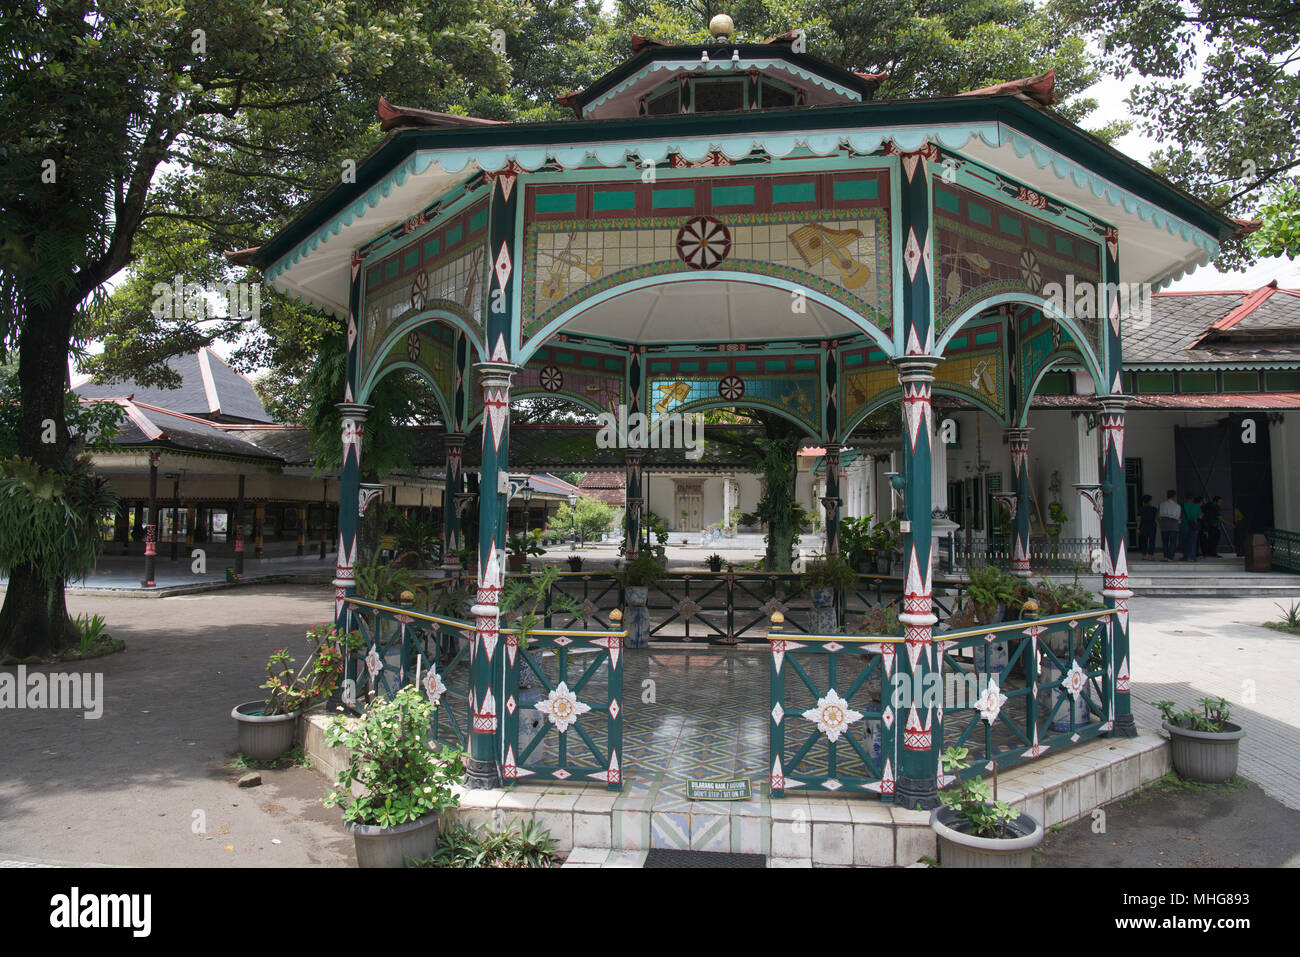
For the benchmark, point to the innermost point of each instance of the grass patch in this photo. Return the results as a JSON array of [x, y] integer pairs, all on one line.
[[1283, 627], [294, 757], [93, 649], [1171, 783]]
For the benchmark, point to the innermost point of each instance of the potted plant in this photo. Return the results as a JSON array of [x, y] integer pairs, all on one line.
[[1205, 742], [519, 548], [1059, 518], [468, 556], [990, 590], [638, 576], [715, 562], [266, 727], [575, 563], [977, 830], [887, 540], [405, 784], [823, 577]]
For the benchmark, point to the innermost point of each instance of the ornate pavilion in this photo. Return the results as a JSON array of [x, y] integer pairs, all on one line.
[[743, 225]]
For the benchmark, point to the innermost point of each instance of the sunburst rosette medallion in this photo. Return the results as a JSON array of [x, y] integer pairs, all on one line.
[[990, 701], [832, 715], [1074, 680], [562, 707], [434, 688]]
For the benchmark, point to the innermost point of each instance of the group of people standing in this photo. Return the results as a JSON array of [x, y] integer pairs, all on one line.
[[1192, 525]]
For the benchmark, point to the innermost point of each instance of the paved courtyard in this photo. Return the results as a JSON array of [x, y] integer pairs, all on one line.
[[150, 781]]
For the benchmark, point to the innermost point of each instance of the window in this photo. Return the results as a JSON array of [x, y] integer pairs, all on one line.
[[1241, 382], [1154, 382], [1196, 382], [775, 97], [713, 96], [1278, 380], [664, 104]]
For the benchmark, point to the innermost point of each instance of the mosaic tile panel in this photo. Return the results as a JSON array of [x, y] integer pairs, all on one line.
[[984, 247], [561, 371], [827, 234], [784, 383], [432, 347], [1041, 341]]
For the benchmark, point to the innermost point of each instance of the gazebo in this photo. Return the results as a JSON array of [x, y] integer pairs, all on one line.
[[745, 225]]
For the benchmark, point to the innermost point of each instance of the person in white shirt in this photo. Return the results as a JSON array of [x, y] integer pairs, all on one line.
[[1170, 515]]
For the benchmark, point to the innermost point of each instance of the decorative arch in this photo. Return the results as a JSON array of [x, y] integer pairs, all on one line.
[[415, 321], [863, 413], [423, 373], [1087, 350], [1052, 361], [883, 338]]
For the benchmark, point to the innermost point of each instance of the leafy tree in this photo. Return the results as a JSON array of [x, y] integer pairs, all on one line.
[[1280, 233], [592, 519], [1220, 87], [111, 108]]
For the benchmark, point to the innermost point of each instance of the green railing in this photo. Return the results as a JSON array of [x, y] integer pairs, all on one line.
[[1046, 554], [1051, 684], [842, 739], [1284, 549], [402, 646], [580, 674], [729, 607], [1009, 693]]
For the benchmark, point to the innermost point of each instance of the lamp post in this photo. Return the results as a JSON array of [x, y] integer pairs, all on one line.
[[527, 493], [573, 514]]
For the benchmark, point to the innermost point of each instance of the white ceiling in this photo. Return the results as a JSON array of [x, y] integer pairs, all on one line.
[[708, 310]]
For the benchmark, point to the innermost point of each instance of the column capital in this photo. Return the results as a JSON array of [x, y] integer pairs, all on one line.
[[454, 441], [354, 410], [633, 456], [1019, 433], [1113, 404], [916, 368], [496, 373]]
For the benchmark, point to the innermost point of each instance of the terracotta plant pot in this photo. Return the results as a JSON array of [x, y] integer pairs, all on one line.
[[1206, 756], [263, 737], [959, 849]]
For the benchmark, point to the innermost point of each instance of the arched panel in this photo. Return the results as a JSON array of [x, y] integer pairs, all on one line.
[[444, 406], [592, 378], [1077, 333], [1053, 360], [784, 294], [428, 348]]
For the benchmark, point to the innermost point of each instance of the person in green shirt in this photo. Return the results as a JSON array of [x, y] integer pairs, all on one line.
[[1191, 524]]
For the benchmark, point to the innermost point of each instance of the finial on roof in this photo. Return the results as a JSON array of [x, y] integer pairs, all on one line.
[[722, 27]]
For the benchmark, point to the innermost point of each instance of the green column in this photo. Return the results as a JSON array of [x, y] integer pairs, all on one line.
[[916, 785], [454, 446], [353, 428], [1018, 439], [486, 654], [1115, 590], [831, 500], [633, 505], [918, 763]]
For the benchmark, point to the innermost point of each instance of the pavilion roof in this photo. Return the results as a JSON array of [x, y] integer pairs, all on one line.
[[1217, 326], [209, 388]]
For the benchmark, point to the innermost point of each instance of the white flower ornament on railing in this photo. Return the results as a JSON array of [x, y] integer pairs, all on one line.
[[990, 701], [374, 663], [1074, 681], [433, 686], [832, 715], [562, 707]]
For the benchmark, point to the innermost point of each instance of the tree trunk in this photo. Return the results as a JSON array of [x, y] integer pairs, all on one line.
[[34, 618], [780, 467]]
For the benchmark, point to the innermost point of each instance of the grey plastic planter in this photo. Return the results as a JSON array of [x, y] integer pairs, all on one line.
[[1206, 756], [262, 737], [959, 849], [393, 846]]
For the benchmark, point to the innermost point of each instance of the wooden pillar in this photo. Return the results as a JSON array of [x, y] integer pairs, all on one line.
[[831, 500], [353, 430], [302, 530], [324, 517], [259, 520], [238, 518], [176, 516], [191, 523], [151, 530]]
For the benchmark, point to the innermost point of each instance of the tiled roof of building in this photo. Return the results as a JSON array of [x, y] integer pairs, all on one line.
[[145, 425], [1223, 327], [209, 388]]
